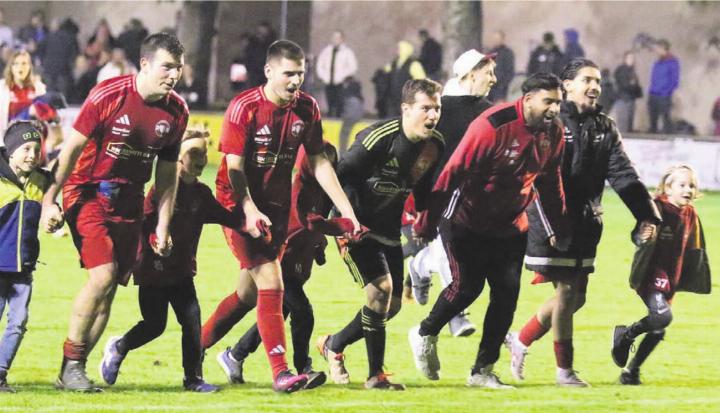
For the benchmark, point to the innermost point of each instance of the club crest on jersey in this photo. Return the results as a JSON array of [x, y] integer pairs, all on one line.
[[162, 128], [297, 128], [599, 138]]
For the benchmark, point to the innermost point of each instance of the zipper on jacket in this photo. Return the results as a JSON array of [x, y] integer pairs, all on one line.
[[20, 226]]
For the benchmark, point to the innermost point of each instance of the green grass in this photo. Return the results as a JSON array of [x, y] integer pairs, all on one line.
[[682, 374]]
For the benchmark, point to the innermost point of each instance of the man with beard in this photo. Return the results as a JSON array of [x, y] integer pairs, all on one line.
[[481, 196], [593, 154], [389, 160]]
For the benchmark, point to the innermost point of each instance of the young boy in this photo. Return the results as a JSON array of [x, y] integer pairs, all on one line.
[[22, 185], [169, 280], [675, 261]]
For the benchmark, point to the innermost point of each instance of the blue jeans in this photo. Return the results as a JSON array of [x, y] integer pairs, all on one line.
[[15, 292]]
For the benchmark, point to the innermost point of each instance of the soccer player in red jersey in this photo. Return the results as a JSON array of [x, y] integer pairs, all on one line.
[[125, 123], [482, 194], [262, 131]]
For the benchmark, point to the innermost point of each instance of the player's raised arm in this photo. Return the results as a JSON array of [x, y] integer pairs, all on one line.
[[52, 217]]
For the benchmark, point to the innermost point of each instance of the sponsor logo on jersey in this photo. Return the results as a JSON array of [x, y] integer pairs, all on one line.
[[666, 233], [123, 120], [120, 131], [121, 150], [515, 144], [267, 158], [388, 188], [162, 128], [297, 128], [567, 134]]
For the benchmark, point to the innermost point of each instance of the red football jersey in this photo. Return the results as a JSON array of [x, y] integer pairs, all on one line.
[[268, 137], [125, 133]]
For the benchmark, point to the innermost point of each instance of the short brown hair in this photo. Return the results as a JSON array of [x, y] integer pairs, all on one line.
[[413, 86], [162, 40], [285, 48]]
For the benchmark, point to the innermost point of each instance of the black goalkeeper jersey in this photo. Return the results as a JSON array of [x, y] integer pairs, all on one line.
[[381, 169]]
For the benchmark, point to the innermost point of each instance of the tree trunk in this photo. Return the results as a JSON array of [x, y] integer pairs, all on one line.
[[462, 29], [196, 29]]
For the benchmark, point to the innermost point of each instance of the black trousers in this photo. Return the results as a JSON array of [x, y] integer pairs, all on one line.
[[334, 95], [154, 302], [302, 321], [475, 259], [659, 107]]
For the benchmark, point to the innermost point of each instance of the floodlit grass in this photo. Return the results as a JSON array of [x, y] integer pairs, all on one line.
[[681, 375]]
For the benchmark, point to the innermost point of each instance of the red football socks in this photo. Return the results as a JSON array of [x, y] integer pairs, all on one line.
[[73, 350], [228, 313], [271, 326], [532, 331], [564, 353]]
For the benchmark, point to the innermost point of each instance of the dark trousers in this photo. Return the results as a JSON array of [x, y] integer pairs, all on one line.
[[154, 309], [475, 259], [302, 321], [659, 106], [334, 96]]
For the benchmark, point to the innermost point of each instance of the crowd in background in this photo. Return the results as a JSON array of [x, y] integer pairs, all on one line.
[[69, 65]]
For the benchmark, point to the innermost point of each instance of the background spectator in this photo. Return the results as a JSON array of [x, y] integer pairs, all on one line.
[[403, 68], [191, 89], [58, 52], [664, 79], [255, 53], [33, 33], [335, 63], [18, 89], [353, 110], [504, 69], [628, 91], [608, 97], [238, 68], [102, 39], [547, 57], [430, 55], [573, 49], [716, 117], [117, 66], [131, 38], [7, 39]]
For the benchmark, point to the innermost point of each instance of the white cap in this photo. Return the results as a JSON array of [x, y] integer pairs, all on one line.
[[467, 61]]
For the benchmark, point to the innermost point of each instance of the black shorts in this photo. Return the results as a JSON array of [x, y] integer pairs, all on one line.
[[370, 259]]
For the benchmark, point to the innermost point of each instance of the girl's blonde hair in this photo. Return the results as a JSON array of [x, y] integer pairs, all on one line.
[[667, 179], [8, 74]]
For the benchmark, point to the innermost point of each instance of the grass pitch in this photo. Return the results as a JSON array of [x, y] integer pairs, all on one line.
[[681, 375]]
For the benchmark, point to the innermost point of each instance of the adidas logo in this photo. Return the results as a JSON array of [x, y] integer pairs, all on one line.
[[265, 130], [277, 350], [123, 120], [393, 163]]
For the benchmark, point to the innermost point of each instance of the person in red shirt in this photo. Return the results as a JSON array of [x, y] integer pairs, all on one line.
[[674, 261], [125, 123], [168, 280], [262, 132], [306, 244], [482, 194]]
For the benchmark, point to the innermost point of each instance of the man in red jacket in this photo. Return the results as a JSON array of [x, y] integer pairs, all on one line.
[[479, 201]]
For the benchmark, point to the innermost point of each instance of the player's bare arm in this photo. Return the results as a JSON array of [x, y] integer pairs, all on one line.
[[236, 175], [52, 217], [326, 177], [166, 182]]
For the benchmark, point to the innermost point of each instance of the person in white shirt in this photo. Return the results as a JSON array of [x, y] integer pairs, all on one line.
[[334, 64]]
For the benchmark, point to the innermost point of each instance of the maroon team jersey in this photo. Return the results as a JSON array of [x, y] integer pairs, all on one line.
[[195, 206], [268, 137], [487, 183], [125, 133]]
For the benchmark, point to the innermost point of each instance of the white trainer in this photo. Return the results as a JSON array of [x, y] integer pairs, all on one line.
[[460, 326], [487, 378], [569, 378], [518, 351], [424, 349], [420, 284]]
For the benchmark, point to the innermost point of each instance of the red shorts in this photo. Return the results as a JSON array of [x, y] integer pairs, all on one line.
[[561, 276], [252, 252], [103, 231]]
